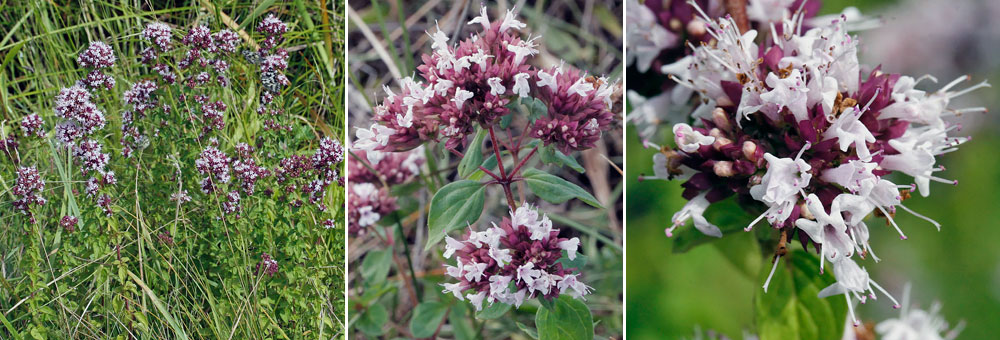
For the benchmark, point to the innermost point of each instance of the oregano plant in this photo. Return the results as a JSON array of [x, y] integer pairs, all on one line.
[[512, 128]]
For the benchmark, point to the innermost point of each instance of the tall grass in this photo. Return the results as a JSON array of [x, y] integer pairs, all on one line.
[[115, 277]]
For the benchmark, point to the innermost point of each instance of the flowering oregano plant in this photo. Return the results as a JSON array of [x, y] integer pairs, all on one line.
[[800, 133], [159, 160], [485, 101]]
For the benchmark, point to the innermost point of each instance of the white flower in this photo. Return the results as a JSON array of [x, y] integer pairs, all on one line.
[[546, 79], [521, 87], [524, 215], [407, 120], [543, 283], [474, 271], [570, 246], [790, 92], [765, 11], [689, 140], [501, 256], [518, 297], [461, 63], [451, 245], [510, 22], [477, 299], [482, 19], [848, 130], [440, 40], [480, 58], [496, 86], [492, 236], [784, 180], [461, 96], [454, 288], [646, 37], [576, 288], [372, 138], [542, 229], [498, 285], [368, 217], [523, 49], [527, 273], [442, 86], [694, 209], [606, 90], [917, 324], [456, 271], [829, 230], [853, 281], [581, 87]]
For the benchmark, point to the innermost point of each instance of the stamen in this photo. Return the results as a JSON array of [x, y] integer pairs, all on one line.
[[773, 268], [969, 89], [750, 227], [925, 218], [891, 221], [955, 82], [895, 303]]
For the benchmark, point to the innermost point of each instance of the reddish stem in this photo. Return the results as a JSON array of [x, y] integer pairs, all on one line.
[[525, 160]]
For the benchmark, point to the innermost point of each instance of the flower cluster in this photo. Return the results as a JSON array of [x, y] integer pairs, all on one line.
[[28, 191], [473, 83], [518, 260], [31, 125], [312, 175], [790, 126], [657, 32], [215, 165], [370, 174], [367, 204], [274, 29], [161, 36], [267, 265], [272, 62], [81, 116], [915, 323], [391, 167], [97, 56], [69, 223], [141, 100]]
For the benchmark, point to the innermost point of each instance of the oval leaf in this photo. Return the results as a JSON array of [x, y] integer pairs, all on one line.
[[454, 206], [496, 310], [375, 266], [550, 155], [426, 318], [556, 190], [567, 318], [473, 155], [791, 308], [371, 321]]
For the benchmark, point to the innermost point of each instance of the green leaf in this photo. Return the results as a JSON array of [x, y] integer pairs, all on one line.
[[458, 318], [371, 321], [791, 308], [473, 155], [556, 190], [568, 318], [578, 262], [454, 206], [375, 266], [496, 310], [426, 318], [536, 108], [527, 329], [550, 155]]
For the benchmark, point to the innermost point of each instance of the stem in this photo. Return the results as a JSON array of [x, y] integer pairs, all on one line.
[[504, 179], [496, 150], [525, 160], [406, 251], [738, 10]]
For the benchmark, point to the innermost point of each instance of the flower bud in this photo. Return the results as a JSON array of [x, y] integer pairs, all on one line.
[[750, 151], [696, 27], [721, 120], [723, 168]]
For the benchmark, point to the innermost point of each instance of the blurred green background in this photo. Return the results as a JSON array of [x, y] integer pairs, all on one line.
[[669, 295]]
